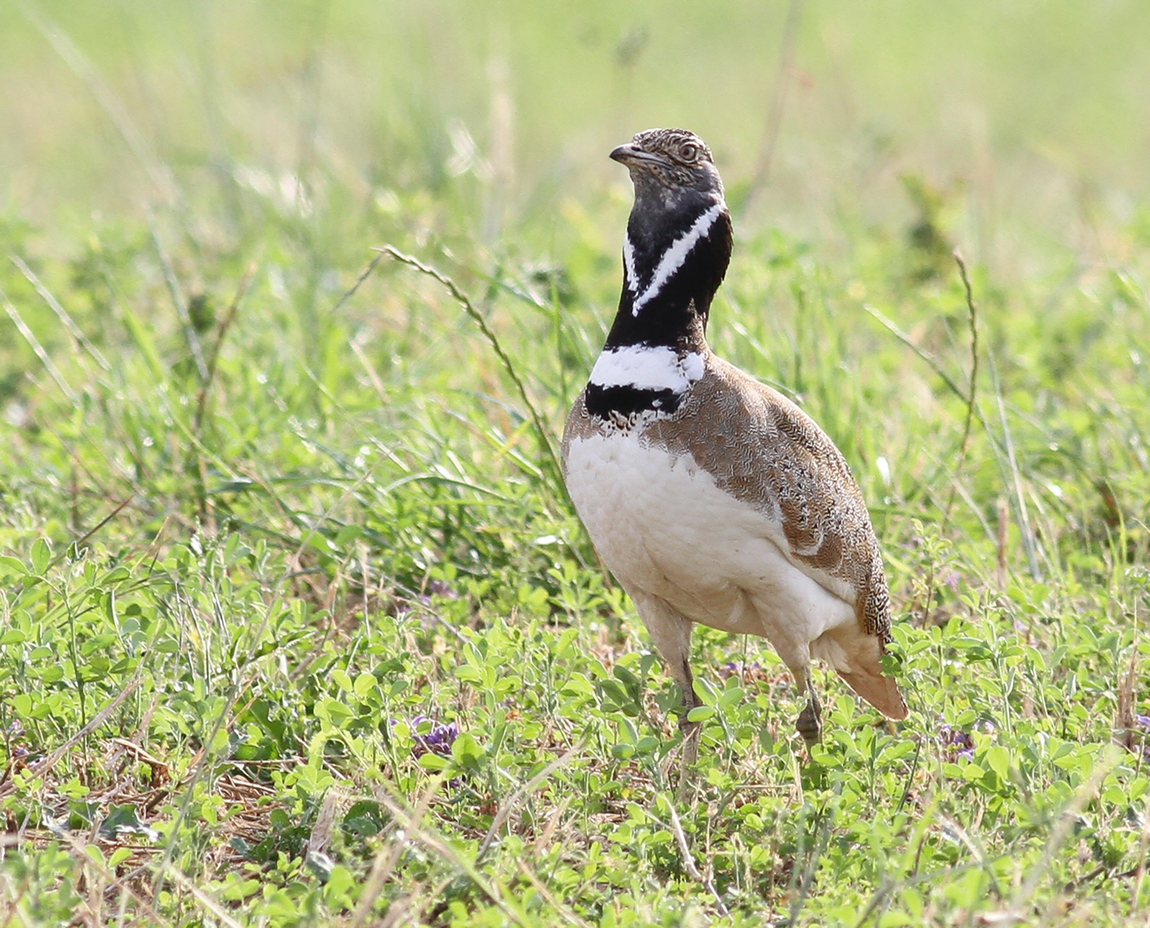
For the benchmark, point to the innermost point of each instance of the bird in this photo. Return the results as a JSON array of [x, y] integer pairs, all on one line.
[[712, 498]]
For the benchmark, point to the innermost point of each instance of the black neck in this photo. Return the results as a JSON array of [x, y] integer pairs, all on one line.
[[676, 315]]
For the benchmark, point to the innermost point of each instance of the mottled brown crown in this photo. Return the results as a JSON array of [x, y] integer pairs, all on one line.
[[680, 146], [675, 157]]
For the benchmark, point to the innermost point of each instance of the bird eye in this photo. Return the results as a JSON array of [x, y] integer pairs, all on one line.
[[689, 152]]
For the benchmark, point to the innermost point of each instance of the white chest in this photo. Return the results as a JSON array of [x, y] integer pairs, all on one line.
[[665, 529]]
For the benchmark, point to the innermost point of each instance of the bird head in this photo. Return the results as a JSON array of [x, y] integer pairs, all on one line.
[[678, 235], [672, 171]]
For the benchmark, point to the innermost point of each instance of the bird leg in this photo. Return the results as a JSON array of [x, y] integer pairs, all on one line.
[[796, 654], [671, 634], [688, 729], [810, 722]]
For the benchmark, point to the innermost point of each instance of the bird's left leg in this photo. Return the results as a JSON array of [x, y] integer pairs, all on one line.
[[671, 634], [796, 654], [810, 721]]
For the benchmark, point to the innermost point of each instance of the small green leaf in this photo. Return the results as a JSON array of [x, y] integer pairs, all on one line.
[[467, 752], [339, 882], [336, 712], [731, 695], [998, 759], [700, 713], [432, 762], [364, 684], [12, 565], [469, 674], [41, 555], [364, 818]]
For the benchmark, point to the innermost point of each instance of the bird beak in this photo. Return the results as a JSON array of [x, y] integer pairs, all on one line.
[[635, 157]]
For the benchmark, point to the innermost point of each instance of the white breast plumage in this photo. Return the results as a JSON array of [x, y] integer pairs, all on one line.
[[662, 526]]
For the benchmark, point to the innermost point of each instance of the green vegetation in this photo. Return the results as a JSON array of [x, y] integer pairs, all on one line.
[[296, 624]]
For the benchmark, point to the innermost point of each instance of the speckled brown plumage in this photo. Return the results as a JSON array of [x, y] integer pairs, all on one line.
[[765, 451]]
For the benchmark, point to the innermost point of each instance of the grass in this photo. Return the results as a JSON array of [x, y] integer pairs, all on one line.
[[297, 626]]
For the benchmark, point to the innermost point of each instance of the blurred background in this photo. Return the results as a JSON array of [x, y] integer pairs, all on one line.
[[1023, 128]]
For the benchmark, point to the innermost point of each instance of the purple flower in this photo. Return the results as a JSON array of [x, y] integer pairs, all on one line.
[[956, 742], [441, 588], [740, 670], [1143, 722], [437, 740]]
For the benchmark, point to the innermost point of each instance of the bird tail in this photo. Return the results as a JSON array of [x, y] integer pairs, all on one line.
[[857, 658], [880, 691]]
